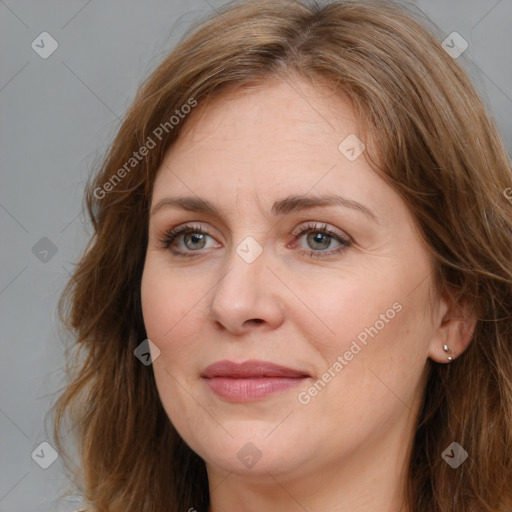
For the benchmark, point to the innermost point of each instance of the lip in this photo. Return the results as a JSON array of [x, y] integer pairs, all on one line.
[[251, 380]]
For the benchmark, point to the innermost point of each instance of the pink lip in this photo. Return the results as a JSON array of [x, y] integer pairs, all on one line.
[[251, 380]]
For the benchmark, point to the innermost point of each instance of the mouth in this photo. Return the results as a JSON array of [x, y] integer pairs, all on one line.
[[251, 380]]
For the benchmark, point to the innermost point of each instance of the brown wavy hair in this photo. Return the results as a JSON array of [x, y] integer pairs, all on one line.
[[437, 147]]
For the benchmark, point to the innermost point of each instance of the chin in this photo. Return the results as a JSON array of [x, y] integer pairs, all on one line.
[[254, 455]]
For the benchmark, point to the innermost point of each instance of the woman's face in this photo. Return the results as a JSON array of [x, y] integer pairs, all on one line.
[[336, 291]]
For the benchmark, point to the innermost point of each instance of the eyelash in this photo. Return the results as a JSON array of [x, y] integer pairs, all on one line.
[[169, 236]]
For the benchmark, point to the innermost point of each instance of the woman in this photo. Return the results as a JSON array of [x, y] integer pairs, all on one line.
[[298, 294]]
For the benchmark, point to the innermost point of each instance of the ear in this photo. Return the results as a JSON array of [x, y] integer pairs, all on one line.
[[455, 325]]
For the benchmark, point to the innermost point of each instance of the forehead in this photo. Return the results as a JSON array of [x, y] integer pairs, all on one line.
[[277, 132], [287, 106], [245, 152]]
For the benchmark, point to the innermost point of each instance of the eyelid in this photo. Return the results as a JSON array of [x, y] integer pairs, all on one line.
[[320, 226], [341, 237], [170, 235]]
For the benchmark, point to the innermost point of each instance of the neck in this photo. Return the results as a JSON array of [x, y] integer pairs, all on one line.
[[372, 477]]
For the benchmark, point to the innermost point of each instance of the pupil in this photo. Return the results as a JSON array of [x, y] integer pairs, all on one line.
[[317, 239], [195, 238]]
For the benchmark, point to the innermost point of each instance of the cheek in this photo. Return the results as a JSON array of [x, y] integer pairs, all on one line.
[[174, 308], [379, 329], [349, 307], [168, 319], [372, 369], [168, 303]]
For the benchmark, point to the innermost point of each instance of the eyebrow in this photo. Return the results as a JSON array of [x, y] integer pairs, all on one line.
[[293, 203]]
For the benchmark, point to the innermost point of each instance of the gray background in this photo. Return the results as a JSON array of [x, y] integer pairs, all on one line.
[[57, 117]]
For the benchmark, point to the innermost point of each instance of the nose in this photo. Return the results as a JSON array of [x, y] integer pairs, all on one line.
[[247, 296]]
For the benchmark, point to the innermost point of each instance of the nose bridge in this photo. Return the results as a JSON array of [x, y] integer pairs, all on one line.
[[246, 266], [244, 292]]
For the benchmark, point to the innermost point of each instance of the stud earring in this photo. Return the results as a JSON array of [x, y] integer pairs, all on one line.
[[446, 349]]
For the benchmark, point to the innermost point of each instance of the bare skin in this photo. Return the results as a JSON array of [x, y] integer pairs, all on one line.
[[344, 447]]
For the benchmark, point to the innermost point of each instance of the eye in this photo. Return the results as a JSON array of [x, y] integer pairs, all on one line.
[[319, 238], [188, 240], [192, 238]]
